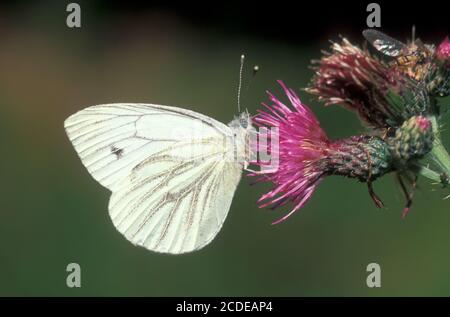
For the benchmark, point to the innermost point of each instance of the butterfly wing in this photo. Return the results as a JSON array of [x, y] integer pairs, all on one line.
[[169, 170], [111, 139], [177, 209]]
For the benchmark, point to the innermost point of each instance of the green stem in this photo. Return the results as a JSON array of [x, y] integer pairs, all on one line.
[[438, 154], [426, 172]]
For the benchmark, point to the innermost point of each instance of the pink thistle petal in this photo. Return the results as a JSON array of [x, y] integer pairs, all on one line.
[[443, 50], [302, 145], [423, 123]]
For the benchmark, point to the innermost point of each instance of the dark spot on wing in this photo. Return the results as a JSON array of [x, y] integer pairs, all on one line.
[[117, 152]]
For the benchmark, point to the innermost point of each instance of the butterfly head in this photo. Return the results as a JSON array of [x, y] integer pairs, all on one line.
[[242, 121], [241, 126]]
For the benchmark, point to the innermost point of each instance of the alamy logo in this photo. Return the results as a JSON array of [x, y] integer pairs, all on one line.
[[74, 277], [74, 17], [374, 278]]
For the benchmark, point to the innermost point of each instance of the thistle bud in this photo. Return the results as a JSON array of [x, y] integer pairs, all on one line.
[[362, 157], [413, 140]]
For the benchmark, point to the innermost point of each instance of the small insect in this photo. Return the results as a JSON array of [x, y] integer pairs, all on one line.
[[412, 59]]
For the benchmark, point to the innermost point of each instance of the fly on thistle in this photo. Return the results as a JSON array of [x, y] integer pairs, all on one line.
[[412, 59], [420, 61]]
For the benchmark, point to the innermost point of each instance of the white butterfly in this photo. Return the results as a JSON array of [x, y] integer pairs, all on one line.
[[172, 172]]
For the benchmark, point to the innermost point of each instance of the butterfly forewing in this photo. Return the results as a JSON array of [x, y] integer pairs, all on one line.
[[112, 139]]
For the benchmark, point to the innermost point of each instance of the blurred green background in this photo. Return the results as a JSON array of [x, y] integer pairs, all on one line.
[[53, 213]]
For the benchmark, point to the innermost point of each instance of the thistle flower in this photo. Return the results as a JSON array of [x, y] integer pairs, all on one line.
[[387, 94], [443, 50], [362, 83], [307, 155], [438, 79]]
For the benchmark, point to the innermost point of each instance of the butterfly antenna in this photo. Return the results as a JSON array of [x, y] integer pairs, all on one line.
[[240, 83], [255, 70], [413, 33]]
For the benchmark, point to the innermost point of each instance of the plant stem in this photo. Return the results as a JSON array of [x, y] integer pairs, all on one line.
[[439, 155], [428, 173]]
